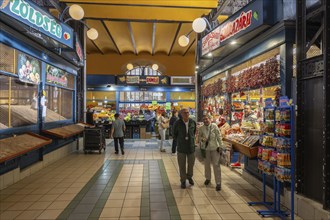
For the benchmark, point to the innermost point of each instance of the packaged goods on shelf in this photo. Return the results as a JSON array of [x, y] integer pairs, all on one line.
[[266, 153], [267, 141], [282, 174]]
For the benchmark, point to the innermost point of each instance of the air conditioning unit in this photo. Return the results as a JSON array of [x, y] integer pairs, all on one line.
[[182, 80]]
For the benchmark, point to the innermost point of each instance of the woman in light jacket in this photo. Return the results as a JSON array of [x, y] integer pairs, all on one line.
[[162, 131], [210, 139]]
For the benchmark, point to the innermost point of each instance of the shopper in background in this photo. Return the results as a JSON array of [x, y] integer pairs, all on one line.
[[211, 140], [162, 121], [249, 121], [173, 119], [184, 131], [117, 133]]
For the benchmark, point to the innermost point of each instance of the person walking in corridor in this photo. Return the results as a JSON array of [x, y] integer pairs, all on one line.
[[210, 139], [173, 119], [117, 132], [184, 131], [163, 124]]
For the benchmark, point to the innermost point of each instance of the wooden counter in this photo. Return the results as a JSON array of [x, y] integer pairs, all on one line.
[[66, 131], [250, 152], [15, 146]]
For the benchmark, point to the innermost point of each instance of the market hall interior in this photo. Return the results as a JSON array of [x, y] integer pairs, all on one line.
[[79, 76]]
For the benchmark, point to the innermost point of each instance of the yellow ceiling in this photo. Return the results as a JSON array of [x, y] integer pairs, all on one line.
[[148, 27]]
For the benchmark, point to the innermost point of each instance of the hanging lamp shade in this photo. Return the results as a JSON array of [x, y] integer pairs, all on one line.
[[76, 12], [199, 25], [183, 41], [92, 34]]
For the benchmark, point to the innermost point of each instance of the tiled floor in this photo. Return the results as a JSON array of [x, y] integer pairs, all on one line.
[[142, 184]]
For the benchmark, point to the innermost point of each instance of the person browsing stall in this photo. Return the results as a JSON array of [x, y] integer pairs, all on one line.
[[184, 131], [117, 132], [211, 140]]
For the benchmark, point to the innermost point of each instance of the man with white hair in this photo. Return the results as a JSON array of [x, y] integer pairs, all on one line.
[[184, 131]]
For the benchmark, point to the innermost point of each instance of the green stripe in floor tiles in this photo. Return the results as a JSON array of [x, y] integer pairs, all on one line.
[[157, 199], [94, 194]]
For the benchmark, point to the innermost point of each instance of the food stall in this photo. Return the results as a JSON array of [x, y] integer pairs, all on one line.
[[251, 64], [37, 85]]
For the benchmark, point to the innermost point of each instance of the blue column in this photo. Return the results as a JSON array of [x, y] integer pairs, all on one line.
[[168, 96], [117, 101]]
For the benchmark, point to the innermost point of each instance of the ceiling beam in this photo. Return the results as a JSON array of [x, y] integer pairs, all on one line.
[[153, 38], [97, 47], [109, 34], [137, 20], [132, 37], [189, 47], [174, 40], [219, 9], [139, 5]]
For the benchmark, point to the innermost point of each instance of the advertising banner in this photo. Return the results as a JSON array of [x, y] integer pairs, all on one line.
[[32, 15], [56, 76], [28, 69]]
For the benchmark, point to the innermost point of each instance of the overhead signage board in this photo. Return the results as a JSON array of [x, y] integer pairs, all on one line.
[[143, 80], [32, 15], [243, 21]]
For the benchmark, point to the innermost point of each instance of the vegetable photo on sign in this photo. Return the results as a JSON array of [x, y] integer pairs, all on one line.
[[28, 69]]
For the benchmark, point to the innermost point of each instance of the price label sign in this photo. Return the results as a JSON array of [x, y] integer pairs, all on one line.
[[154, 102], [168, 106]]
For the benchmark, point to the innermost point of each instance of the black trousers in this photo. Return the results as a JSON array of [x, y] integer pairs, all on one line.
[[121, 142]]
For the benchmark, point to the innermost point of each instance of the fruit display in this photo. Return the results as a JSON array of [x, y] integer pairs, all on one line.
[[101, 114]]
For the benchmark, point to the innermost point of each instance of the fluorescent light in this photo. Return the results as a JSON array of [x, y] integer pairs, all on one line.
[[233, 42], [209, 54]]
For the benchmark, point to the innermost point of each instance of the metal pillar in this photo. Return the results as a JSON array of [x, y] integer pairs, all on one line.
[[313, 98], [326, 76]]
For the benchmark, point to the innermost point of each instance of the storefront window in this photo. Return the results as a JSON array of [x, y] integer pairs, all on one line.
[[142, 96], [59, 104], [7, 57], [182, 95], [101, 99], [18, 103], [143, 71]]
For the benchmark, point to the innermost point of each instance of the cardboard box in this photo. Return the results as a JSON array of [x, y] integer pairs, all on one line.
[[148, 135], [142, 132]]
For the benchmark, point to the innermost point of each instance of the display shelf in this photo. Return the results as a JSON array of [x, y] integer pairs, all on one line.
[[66, 131], [16, 146], [250, 152], [282, 169]]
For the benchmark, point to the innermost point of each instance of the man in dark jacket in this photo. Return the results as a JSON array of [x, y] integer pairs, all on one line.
[[173, 119], [184, 131]]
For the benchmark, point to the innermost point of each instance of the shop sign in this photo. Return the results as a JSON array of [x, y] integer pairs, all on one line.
[[79, 49], [56, 76], [132, 79], [242, 22], [143, 80], [152, 80], [33, 16], [28, 69]]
